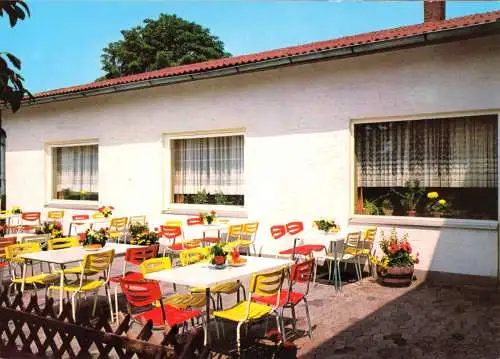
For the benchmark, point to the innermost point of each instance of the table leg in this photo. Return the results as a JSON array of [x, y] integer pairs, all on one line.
[[61, 291], [70, 227], [207, 319], [25, 265]]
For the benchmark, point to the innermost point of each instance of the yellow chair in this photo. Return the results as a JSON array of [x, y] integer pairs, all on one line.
[[248, 234], [138, 220], [173, 223], [95, 262], [195, 255], [118, 228], [55, 216], [12, 254], [264, 284], [155, 265], [98, 215], [61, 243], [233, 237]]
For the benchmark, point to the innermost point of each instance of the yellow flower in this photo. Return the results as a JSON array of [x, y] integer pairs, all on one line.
[[442, 202], [432, 195]]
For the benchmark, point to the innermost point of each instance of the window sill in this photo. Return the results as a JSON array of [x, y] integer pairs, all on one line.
[[195, 209], [80, 205], [425, 222]]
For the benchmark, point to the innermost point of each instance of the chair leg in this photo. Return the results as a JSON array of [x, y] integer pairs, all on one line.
[[108, 293], [329, 262], [116, 304], [238, 338], [294, 318], [73, 305], [308, 318], [95, 305], [281, 323]]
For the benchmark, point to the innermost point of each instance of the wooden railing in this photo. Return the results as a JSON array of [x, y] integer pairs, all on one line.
[[31, 330]]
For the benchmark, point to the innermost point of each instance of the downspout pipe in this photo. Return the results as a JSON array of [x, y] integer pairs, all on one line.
[[3, 137]]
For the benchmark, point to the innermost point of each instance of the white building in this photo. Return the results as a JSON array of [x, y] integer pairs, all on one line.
[[288, 138]]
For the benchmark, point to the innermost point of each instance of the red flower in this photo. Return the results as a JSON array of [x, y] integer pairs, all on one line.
[[100, 209], [394, 248], [406, 246], [156, 229], [213, 213]]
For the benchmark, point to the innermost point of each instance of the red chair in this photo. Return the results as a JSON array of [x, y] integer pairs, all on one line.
[[146, 294], [300, 273], [29, 220], [134, 256], [168, 239], [305, 250], [278, 231], [196, 221], [79, 220]]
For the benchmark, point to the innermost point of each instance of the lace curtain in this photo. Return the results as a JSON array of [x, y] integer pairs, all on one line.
[[214, 164], [451, 152], [76, 168]]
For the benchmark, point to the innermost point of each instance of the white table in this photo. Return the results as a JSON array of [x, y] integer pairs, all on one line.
[[204, 276], [65, 256]]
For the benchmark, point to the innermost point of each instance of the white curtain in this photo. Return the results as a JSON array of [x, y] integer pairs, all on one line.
[[76, 168], [451, 152], [214, 164]]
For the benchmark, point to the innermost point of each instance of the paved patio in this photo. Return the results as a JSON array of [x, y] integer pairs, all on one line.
[[426, 320]]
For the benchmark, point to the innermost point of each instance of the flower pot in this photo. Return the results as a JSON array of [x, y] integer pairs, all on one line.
[[411, 213], [219, 260], [395, 276], [388, 211], [436, 214], [209, 221]]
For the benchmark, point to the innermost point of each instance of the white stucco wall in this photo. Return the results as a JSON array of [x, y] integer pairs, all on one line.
[[297, 144]]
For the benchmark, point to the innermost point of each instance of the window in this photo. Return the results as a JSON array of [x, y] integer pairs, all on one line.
[[75, 171], [455, 157], [208, 170]]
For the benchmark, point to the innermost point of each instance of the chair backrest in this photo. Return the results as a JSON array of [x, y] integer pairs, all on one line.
[[278, 231], [140, 254], [155, 265], [369, 238], [294, 227], [266, 284], [223, 220], [55, 215], [352, 241], [5, 242], [234, 232], [118, 224], [98, 262], [194, 255], [173, 223], [170, 232], [61, 243], [41, 239], [138, 220], [141, 293], [301, 273], [12, 251], [250, 228], [97, 215], [193, 221], [81, 217]]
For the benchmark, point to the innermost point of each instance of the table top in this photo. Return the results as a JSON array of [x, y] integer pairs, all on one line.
[[204, 275], [74, 254]]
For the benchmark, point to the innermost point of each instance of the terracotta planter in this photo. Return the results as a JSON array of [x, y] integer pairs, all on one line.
[[388, 212], [436, 214], [411, 213], [219, 260], [395, 276]]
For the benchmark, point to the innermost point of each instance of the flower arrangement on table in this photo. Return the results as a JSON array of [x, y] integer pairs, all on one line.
[[106, 210], [95, 238], [142, 235], [436, 206], [327, 225], [54, 229], [397, 257], [208, 217], [218, 255]]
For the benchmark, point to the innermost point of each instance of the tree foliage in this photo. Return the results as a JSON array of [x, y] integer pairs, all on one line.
[[12, 88], [165, 42]]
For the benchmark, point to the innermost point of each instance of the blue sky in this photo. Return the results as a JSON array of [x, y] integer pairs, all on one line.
[[60, 45]]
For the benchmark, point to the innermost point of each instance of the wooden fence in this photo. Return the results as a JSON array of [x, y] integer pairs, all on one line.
[[31, 330]]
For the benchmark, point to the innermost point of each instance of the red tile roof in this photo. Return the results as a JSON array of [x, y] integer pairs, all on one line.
[[370, 37]]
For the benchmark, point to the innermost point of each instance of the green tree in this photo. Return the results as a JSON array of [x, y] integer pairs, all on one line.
[[165, 42], [12, 89]]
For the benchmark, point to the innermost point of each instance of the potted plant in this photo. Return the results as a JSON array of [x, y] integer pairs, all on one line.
[[95, 239], [370, 207], [146, 237], [208, 217], [395, 267], [411, 197], [436, 206], [327, 225], [387, 207], [53, 230], [106, 210], [218, 256]]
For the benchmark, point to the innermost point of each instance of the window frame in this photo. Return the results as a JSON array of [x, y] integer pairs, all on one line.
[[168, 174], [49, 177], [416, 221]]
